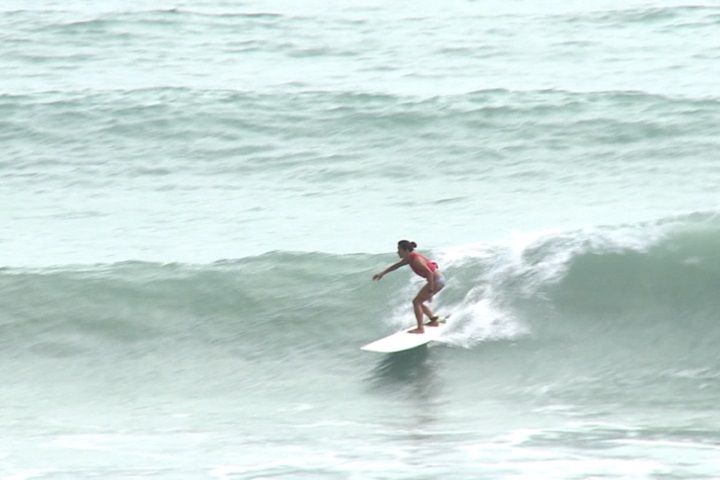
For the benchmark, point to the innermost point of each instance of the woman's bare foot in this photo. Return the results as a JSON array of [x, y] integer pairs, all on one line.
[[433, 323], [417, 330]]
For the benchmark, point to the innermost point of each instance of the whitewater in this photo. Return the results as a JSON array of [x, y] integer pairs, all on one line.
[[194, 198]]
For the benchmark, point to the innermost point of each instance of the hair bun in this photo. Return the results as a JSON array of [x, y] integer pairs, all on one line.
[[407, 245]]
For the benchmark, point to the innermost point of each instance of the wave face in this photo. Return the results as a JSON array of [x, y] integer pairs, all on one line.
[[617, 292]]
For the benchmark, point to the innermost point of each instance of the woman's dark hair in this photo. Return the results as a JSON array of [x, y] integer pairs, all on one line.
[[407, 245]]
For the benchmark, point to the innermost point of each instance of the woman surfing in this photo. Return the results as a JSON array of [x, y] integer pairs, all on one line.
[[427, 269]]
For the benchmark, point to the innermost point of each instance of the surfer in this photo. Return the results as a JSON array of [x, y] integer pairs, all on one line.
[[427, 269]]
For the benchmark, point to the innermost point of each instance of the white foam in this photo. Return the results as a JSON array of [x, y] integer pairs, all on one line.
[[479, 321]]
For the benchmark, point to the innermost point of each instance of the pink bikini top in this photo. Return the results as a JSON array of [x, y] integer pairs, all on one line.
[[431, 265]]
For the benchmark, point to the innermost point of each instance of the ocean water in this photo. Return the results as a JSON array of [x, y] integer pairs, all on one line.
[[194, 197]]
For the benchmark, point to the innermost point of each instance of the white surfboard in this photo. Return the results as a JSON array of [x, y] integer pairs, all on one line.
[[397, 342]]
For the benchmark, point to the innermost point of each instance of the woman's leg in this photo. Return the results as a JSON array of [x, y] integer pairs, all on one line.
[[439, 285], [419, 308], [428, 313]]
